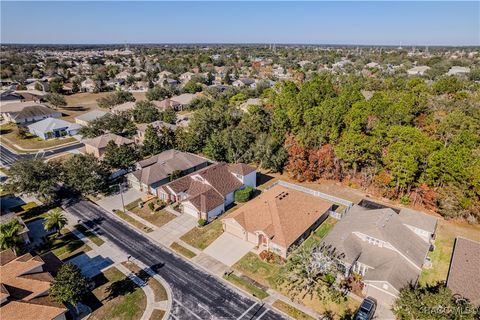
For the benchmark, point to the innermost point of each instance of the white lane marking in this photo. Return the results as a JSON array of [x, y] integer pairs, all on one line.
[[263, 313], [196, 316], [246, 311]]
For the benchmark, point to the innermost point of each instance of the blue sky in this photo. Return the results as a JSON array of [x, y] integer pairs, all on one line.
[[369, 23]]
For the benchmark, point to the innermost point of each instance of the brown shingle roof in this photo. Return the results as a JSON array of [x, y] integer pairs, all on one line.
[[464, 276], [283, 214], [241, 168], [102, 141], [25, 289]]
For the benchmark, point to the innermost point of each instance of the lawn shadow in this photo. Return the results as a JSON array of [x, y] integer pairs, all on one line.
[[120, 288]]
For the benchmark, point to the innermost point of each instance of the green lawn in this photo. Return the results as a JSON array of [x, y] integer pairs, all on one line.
[[202, 237], [182, 250], [116, 297], [247, 286], [158, 218], [265, 273], [158, 289], [291, 311], [64, 246], [132, 221], [90, 235], [446, 233]]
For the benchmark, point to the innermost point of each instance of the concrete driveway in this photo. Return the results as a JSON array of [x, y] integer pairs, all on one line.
[[115, 201], [171, 231], [228, 249]]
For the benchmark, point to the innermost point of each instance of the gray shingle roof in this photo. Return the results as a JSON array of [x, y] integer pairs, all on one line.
[[51, 124]]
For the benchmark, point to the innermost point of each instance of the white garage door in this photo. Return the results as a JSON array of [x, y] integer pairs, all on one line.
[[190, 210], [236, 231]]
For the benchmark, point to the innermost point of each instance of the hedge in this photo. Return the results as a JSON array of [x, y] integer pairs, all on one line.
[[243, 195]]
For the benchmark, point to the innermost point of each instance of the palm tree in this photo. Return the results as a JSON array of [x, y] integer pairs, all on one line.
[[55, 220], [9, 238]]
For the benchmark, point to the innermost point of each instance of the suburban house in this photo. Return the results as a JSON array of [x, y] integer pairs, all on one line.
[[279, 219], [157, 170], [26, 112], [86, 118], [244, 82], [96, 146], [458, 71], [205, 193], [38, 85], [141, 128], [166, 104], [183, 100], [127, 106], [24, 286], [88, 85], [418, 71], [463, 276], [388, 249], [53, 128]]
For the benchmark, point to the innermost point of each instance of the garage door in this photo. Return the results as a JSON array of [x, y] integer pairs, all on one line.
[[190, 210], [236, 231]]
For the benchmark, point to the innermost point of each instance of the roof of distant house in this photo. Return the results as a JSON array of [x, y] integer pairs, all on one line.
[[127, 106], [51, 124], [165, 104], [162, 165], [24, 110], [156, 124], [24, 287], [102, 141], [184, 99], [283, 214], [91, 116], [463, 276]]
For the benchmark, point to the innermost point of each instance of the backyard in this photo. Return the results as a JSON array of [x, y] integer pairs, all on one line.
[[447, 231], [115, 297]]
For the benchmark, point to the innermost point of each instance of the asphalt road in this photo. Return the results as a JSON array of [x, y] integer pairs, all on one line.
[[7, 157], [196, 294]]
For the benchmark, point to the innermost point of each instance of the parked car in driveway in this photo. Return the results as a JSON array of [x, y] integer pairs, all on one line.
[[367, 309]]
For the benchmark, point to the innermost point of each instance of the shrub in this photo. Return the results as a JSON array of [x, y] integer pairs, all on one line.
[[404, 199], [270, 257], [202, 222], [151, 206], [243, 195]]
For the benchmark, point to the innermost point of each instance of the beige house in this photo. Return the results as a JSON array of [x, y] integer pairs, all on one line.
[[278, 219], [86, 118], [24, 289], [96, 146]]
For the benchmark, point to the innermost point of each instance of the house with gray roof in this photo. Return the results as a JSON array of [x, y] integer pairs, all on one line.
[[157, 170], [86, 118], [26, 112], [53, 128], [388, 249], [159, 125]]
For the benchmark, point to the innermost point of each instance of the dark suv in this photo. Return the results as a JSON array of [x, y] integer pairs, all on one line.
[[367, 309]]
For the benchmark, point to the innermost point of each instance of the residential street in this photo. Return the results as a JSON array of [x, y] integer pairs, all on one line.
[[7, 157], [196, 294]]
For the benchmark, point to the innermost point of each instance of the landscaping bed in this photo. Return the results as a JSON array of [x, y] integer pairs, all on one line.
[[182, 250], [115, 297]]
